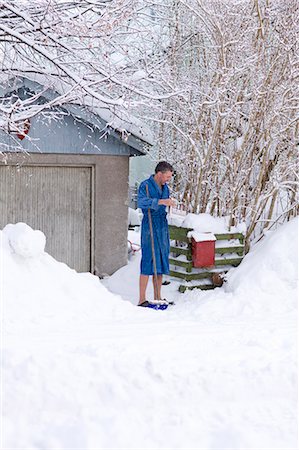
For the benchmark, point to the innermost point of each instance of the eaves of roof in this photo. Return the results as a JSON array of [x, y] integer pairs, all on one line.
[[116, 120]]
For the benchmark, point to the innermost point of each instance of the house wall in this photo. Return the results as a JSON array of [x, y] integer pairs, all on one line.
[[111, 213], [65, 135], [109, 202]]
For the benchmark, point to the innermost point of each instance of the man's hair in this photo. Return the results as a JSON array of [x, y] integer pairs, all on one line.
[[163, 166]]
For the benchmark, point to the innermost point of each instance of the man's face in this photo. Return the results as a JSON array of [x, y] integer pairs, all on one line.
[[164, 177]]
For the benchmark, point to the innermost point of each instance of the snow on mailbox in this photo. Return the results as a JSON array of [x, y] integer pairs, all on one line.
[[203, 249]]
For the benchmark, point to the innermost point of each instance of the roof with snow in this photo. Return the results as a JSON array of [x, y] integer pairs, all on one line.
[[109, 121]]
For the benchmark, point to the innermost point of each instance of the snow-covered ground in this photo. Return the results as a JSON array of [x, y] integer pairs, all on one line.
[[84, 368]]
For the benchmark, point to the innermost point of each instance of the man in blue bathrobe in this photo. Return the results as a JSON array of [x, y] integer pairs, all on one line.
[[153, 198]]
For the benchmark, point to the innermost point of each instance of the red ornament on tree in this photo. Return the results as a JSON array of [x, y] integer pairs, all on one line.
[[25, 130]]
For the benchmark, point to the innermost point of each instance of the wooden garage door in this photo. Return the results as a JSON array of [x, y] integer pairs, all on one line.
[[56, 200]]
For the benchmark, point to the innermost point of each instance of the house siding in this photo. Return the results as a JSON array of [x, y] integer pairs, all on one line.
[[66, 135]]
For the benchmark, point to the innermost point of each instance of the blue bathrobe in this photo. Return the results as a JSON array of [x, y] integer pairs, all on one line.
[[160, 227]]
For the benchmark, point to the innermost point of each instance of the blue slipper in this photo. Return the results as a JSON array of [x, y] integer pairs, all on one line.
[[156, 306]]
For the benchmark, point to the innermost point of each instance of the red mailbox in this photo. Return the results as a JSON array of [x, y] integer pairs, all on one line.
[[203, 250]]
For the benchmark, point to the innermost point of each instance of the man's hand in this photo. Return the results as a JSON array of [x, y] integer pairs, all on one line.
[[167, 202]]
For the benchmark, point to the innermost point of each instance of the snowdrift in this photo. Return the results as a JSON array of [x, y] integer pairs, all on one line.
[[83, 369], [40, 293], [271, 265], [265, 284]]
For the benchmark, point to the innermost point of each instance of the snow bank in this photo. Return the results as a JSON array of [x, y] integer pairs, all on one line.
[[47, 294], [83, 369], [271, 265], [264, 285], [133, 217], [24, 241]]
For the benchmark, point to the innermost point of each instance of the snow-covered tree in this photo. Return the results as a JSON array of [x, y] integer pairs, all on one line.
[[233, 133], [217, 81], [89, 52]]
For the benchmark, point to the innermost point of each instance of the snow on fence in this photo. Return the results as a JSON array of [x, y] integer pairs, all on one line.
[[229, 252]]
